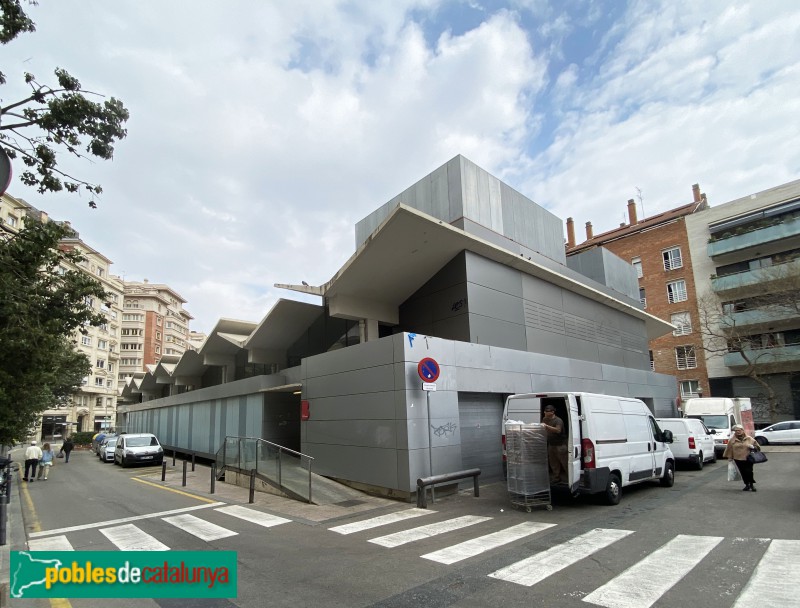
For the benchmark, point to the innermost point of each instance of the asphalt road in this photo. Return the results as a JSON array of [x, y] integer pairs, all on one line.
[[699, 543]]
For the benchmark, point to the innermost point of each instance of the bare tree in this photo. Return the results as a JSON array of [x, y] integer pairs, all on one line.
[[755, 327]]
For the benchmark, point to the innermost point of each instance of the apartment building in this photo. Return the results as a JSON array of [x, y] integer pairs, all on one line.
[[746, 257], [93, 405], [658, 248], [154, 324]]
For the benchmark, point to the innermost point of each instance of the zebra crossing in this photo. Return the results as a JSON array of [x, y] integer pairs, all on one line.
[[772, 581]]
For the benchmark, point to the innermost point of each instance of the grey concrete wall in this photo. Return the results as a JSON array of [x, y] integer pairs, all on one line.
[[600, 265], [461, 193]]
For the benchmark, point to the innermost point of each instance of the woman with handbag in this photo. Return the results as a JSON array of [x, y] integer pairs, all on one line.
[[738, 449]]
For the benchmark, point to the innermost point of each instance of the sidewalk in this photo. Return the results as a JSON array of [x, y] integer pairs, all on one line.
[[334, 500]]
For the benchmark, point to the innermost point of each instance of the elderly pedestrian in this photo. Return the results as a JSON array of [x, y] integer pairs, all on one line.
[[738, 448], [33, 454]]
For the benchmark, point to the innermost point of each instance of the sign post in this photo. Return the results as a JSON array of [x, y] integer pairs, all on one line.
[[429, 370]]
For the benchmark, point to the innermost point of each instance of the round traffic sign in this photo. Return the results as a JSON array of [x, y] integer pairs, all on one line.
[[428, 369]]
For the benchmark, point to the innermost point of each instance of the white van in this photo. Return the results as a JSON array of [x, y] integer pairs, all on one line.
[[692, 441], [614, 441]]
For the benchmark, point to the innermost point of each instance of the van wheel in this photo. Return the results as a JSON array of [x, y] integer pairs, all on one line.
[[700, 463], [714, 457], [613, 489], [668, 480]]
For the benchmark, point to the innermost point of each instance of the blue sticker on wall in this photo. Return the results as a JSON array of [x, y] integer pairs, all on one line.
[[411, 340]]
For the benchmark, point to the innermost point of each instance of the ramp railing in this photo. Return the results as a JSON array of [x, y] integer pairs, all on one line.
[[285, 469]]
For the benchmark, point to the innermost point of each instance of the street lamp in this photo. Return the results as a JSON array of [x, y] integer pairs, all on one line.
[[700, 391]]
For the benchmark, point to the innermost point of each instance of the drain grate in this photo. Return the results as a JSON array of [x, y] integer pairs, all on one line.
[[350, 503]]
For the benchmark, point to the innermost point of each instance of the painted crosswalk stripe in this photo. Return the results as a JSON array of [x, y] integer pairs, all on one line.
[[54, 543], [641, 585], [253, 516], [383, 520], [774, 581], [408, 536], [538, 567], [131, 538], [476, 546], [200, 528]]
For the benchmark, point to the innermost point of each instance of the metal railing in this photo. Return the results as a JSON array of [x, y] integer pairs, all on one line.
[[281, 467]]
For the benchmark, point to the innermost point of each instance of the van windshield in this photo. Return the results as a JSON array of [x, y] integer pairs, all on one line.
[[140, 442], [714, 422]]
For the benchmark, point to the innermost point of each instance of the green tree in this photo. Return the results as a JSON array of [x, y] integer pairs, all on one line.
[[54, 119], [43, 302]]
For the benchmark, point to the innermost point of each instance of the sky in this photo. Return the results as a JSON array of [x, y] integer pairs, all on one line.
[[261, 132]]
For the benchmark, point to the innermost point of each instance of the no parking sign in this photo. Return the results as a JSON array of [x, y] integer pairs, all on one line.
[[428, 369]]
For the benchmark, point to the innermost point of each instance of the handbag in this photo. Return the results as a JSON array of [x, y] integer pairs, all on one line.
[[60, 454], [756, 457]]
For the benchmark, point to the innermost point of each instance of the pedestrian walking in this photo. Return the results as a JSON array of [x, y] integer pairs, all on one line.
[[33, 454], [738, 448], [66, 447], [47, 461]]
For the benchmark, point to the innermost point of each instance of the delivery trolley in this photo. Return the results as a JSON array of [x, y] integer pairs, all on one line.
[[528, 474]]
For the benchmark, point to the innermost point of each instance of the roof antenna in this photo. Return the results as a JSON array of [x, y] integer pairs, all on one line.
[[641, 200]]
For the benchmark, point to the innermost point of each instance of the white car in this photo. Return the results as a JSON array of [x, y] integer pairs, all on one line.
[[692, 442], [138, 448], [781, 432]]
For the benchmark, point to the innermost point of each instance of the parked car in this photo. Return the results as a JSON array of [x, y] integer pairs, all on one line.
[[780, 432], [692, 441], [137, 448], [106, 450]]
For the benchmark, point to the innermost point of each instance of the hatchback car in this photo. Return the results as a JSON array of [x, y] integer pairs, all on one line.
[[781, 432], [138, 448], [106, 450]]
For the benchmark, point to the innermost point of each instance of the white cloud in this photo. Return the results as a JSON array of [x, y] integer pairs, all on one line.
[[261, 132]]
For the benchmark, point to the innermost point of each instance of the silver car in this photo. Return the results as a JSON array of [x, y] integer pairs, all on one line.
[[106, 450]]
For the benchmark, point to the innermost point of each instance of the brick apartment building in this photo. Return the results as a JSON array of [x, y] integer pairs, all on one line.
[[658, 248]]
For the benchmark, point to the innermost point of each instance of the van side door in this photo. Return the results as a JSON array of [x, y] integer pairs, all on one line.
[[641, 445], [574, 443]]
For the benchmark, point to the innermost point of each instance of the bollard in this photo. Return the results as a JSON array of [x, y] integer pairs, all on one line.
[[3, 519], [213, 476], [192, 462], [163, 470], [252, 486], [173, 457], [184, 474]]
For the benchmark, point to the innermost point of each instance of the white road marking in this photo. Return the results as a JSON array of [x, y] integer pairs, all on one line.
[[641, 585], [131, 538], [408, 536], [253, 516], [538, 567], [774, 581], [476, 546], [111, 522], [383, 520], [200, 528], [54, 543]]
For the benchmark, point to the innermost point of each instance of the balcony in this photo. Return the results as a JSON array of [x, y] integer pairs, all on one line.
[[752, 281], [755, 238], [780, 357], [774, 318]]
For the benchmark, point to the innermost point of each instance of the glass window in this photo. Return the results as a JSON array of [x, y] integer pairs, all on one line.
[[676, 291], [685, 357], [682, 322], [642, 297], [637, 264], [672, 258], [689, 388]]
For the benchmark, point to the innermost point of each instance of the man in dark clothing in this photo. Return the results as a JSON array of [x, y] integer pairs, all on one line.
[[556, 446], [67, 448]]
